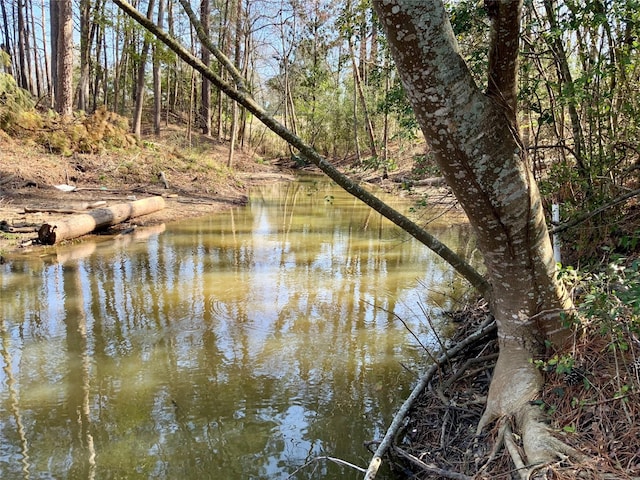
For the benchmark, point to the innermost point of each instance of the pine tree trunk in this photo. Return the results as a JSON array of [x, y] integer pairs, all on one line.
[[47, 69], [87, 31], [24, 80], [64, 69], [157, 84], [37, 65], [54, 17], [7, 45]]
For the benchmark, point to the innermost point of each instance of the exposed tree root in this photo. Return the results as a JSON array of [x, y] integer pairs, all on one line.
[[587, 430]]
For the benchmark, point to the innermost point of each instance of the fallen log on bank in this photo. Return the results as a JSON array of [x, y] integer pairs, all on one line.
[[84, 223]]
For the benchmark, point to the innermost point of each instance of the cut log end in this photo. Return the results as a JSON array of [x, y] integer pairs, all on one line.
[[47, 234]]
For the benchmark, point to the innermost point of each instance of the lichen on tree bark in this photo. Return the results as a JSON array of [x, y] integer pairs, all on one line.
[[473, 136]]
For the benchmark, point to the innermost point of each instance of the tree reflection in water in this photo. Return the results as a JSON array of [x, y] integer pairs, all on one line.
[[237, 346]]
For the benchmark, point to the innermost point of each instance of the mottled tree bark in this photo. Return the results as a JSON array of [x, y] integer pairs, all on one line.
[[474, 139]]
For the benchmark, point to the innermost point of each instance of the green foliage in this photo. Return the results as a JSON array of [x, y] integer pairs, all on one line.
[[377, 163], [470, 24], [425, 166], [422, 202], [609, 300], [558, 364], [396, 103]]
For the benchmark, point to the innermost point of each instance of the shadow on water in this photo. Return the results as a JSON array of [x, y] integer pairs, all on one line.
[[240, 346]]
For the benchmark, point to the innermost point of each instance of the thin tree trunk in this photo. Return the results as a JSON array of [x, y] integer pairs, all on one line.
[[87, 31], [192, 91], [356, 136], [192, 97], [47, 71], [564, 73], [171, 73], [235, 106], [140, 82], [234, 134], [101, 74], [54, 18], [37, 64], [6, 46], [223, 45], [205, 102], [385, 133], [362, 67], [28, 48], [363, 101], [290, 119], [119, 57], [23, 62], [248, 48], [157, 84]]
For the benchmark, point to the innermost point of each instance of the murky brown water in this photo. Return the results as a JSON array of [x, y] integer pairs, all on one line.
[[240, 346]]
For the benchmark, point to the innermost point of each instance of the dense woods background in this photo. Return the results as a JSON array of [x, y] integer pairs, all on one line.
[[323, 68]]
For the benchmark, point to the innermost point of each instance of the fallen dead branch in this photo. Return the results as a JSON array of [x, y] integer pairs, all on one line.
[[486, 328], [431, 468], [318, 459], [19, 228], [84, 223], [53, 210], [81, 209]]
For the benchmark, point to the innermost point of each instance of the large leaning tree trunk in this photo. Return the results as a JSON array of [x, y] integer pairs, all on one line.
[[474, 137]]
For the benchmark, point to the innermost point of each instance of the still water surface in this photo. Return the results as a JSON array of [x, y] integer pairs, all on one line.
[[240, 346]]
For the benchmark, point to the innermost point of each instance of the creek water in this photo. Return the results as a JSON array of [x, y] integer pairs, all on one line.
[[246, 345]]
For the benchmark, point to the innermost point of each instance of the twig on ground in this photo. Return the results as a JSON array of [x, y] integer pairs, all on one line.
[[497, 446], [431, 468], [514, 453], [465, 365], [487, 327]]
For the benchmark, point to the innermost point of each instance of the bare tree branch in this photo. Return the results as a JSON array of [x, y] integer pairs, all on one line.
[[586, 216]]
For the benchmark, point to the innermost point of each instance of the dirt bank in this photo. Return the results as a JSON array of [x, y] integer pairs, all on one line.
[[196, 186]]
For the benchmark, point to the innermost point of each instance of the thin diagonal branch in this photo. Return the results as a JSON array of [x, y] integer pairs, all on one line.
[[247, 101]]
